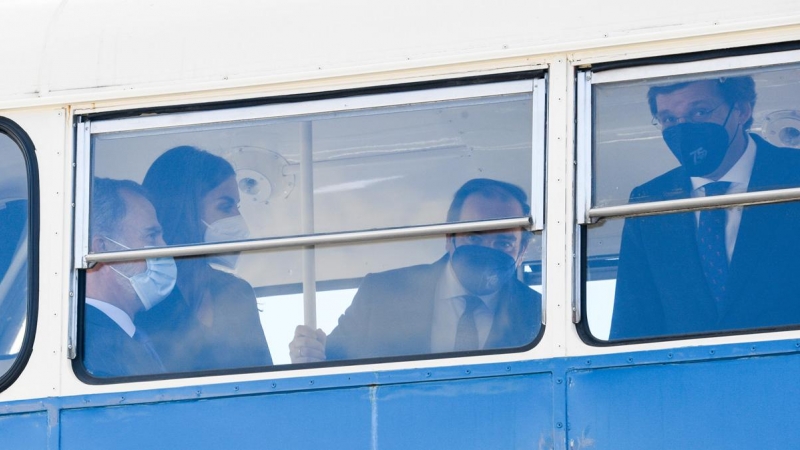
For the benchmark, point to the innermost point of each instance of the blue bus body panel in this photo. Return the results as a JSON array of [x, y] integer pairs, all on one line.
[[490, 413], [739, 403], [728, 396], [484, 413], [295, 420], [24, 431]]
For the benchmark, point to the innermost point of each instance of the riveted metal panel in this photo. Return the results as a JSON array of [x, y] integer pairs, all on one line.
[[735, 403]]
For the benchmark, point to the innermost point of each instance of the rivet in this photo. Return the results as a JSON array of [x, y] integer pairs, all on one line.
[[559, 381], [559, 425]]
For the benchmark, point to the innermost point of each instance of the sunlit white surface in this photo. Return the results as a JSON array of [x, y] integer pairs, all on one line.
[[281, 314]]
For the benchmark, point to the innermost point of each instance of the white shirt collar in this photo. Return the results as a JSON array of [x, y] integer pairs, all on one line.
[[738, 175], [119, 316]]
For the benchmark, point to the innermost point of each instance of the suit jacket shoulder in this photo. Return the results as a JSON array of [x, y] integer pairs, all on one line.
[[392, 315], [110, 352]]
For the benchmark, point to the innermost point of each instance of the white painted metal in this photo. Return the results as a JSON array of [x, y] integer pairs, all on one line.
[[347, 237], [583, 183], [538, 154], [694, 204], [307, 219]]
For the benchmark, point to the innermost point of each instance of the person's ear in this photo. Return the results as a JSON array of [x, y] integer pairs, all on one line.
[[745, 111], [97, 244]]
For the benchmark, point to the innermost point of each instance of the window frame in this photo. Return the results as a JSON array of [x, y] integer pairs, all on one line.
[[424, 95], [17, 134], [587, 215]]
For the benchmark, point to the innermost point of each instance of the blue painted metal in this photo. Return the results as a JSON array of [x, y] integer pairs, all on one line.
[[24, 431], [731, 396]]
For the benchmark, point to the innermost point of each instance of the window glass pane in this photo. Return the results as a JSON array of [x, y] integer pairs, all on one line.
[[649, 277], [720, 125], [386, 167], [13, 250], [692, 136], [388, 299], [374, 168]]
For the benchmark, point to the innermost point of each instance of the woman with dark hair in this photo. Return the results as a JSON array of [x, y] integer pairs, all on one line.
[[210, 321]]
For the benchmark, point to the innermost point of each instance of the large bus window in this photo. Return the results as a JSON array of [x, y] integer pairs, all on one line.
[[448, 182], [678, 162], [16, 304]]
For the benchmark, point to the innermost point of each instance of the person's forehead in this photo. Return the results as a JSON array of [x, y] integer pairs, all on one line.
[[228, 189], [695, 92], [479, 206], [139, 212]]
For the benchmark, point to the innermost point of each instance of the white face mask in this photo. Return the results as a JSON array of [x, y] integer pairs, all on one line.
[[155, 283], [233, 228]]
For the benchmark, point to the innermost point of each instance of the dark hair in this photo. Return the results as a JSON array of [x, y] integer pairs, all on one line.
[[492, 189], [108, 206], [177, 182], [733, 90]]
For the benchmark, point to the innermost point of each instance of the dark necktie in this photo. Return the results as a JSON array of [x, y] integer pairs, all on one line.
[[142, 338], [711, 244], [467, 331]]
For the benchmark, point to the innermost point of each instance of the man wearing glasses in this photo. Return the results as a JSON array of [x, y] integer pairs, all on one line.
[[719, 269]]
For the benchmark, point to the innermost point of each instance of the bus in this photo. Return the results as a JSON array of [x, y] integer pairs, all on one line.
[[250, 225]]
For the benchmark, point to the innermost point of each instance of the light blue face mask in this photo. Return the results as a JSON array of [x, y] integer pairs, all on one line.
[[155, 283], [232, 228]]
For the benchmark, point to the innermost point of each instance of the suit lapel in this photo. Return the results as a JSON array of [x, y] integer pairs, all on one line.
[[672, 249], [417, 308]]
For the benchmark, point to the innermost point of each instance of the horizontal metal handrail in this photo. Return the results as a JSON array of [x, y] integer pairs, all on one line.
[[309, 240], [695, 204]]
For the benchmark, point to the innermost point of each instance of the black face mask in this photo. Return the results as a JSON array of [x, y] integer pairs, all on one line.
[[482, 270], [700, 147]]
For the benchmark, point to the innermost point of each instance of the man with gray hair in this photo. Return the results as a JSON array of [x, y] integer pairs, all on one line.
[[122, 218]]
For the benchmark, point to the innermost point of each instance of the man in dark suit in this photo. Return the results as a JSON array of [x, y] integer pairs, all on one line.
[[716, 270], [470, 299], [122, 218]]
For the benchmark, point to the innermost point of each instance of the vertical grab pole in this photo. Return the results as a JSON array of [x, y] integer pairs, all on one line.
[[307, 217]]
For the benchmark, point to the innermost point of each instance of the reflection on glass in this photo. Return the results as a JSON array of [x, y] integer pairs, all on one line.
[[13, 250], [664, 139], [660, 284], [375, 168]]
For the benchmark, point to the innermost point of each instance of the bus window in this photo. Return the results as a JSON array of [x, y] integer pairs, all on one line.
[[681, 166], [15, 223], [304, 205]]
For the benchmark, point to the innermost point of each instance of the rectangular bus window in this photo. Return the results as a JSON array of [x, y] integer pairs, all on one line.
[[687, 139], [394, 169], [14, 223]]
